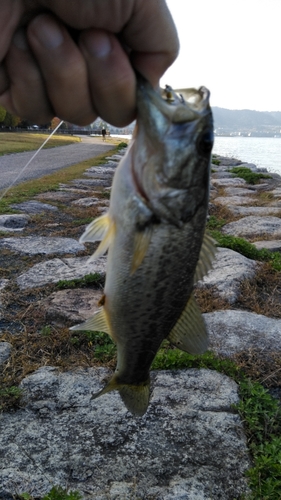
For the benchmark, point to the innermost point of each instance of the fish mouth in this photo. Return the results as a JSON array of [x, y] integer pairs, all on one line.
[[179, 106]]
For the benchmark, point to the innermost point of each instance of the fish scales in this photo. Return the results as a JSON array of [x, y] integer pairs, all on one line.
[[154, 232]]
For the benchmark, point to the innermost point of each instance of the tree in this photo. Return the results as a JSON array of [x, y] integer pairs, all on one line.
[[2, 114], [11, 120]]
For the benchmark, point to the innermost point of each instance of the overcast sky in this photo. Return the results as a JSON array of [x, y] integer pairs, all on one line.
[[233, 47]]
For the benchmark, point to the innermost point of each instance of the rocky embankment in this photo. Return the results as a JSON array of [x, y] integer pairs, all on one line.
[[191, 443]]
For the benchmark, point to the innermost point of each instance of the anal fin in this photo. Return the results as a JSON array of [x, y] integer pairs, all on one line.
[[190, 334]]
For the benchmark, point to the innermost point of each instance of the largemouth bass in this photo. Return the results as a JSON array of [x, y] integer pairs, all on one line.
[[154, 233]]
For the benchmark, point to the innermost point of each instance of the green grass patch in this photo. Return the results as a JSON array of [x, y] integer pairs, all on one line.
[[215, 160], [215, 222], [9, 396], [56, 493], [20, 142], [103, 347], [87, 280], [249, 176], [247, 249]]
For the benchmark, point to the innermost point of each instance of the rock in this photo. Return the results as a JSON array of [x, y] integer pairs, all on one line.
[[34, 207], [228, 162], [229, 269], [57, 269], [89, 202], [33, 245], [13, 222], [252, 167], [108, 169], [235, 181], [5, 351], [235, 331], [273, 246], [234, 191], [189, 445], [61, 196], [252, 226], [222, 174], [233, 200], [261, 211], [72, 305], [91, 183], [276, 192]]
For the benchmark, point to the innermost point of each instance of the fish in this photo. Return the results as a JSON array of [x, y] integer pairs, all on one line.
[[154, 232]]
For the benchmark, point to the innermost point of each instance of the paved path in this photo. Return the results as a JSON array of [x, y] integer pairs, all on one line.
[[48, 160]]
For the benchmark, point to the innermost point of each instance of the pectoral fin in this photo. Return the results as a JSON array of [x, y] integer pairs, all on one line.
[[101, 229], [190, 334], [141, 244], [135, 397], [206, 257], [98, 323]]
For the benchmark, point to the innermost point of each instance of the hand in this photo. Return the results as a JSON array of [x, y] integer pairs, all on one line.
[[45, 72]]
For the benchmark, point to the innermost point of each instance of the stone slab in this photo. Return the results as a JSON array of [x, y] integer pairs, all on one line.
[[252, 226], [57, 269], [13, 222], [34, 207], [72, 305], [272, 245], [235, 181], [229, 270], [260, 211], [233, 200], [34, 245], [235, 331], [236, 191], [189, 445]]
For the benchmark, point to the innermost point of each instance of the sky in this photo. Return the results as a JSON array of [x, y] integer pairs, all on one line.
[[232, 47]]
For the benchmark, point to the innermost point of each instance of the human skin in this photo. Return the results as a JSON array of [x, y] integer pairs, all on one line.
[[77, 60]]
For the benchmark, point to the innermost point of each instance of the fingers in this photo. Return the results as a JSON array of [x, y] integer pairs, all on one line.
[[112, 79], [63, 69], [26, 96], [10, 14]]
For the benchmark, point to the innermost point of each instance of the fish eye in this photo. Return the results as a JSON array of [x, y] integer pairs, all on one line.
[[205, 142]]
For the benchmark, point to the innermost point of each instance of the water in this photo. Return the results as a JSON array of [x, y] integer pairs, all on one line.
[[262, 151]]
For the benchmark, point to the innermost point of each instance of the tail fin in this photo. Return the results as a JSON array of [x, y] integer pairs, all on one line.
[[135, 397]]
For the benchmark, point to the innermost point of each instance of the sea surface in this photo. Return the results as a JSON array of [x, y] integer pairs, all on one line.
[[264, 152]]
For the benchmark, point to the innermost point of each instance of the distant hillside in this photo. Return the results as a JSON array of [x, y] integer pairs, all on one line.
[[247, 121]]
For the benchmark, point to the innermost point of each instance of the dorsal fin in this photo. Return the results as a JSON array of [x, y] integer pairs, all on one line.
[[190, 334]]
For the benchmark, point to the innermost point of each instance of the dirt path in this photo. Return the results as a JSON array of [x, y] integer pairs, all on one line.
[[49, 160]]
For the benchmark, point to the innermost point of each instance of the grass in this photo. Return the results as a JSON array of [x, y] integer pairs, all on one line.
[[249, 176], [88, 279], [56, 493], [25, 141], [51, 182]]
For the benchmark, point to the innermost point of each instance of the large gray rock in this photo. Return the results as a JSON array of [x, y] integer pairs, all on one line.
[[236, 191], [272, 245], [229, 270], [91, 183], [33, 245], [57, 269], [190, 444], [235, 331], [34, 207], [252, 226], [72, 305], [235, 181], [3, 284], [261, 211], [13, 222], [233, 200]]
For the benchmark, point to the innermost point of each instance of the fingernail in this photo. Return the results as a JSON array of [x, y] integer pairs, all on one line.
[[98, 44], [47, 32], [19, 40]]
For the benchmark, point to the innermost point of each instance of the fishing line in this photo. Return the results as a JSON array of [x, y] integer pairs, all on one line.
[[31, 159]]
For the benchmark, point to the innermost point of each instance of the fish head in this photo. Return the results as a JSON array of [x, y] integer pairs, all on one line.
[[174, 139]]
